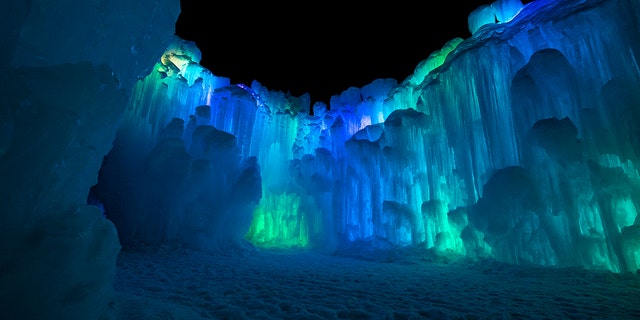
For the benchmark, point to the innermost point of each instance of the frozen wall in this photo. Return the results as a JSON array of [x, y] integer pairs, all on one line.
[[66, 72], [523, 149], [520, 143], [536, 112], [517, 144]]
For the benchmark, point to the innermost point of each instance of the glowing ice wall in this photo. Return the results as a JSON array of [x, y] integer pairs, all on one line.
[[177, 172], [525, 108], [519, 143]]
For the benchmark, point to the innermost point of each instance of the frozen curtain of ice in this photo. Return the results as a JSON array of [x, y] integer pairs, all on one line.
[[519, 144]]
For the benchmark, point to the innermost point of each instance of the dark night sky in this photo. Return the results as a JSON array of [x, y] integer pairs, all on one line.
[[320, 49]]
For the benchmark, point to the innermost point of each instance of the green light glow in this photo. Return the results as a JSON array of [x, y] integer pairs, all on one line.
[[624, 212], [444, 227], [278, 222], [435, 60]]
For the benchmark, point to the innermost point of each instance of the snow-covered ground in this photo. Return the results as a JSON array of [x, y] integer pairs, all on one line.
[[258, 284]]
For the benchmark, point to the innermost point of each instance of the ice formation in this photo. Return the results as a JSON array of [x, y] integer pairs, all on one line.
[[519, 144], [66, 72]]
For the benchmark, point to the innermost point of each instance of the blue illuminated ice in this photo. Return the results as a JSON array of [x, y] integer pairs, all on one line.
[[494, 147]]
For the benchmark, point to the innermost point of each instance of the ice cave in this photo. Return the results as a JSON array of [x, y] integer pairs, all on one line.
[[518, 145]]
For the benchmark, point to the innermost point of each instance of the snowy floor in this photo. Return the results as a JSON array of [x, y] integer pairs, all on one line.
[[182, 284]]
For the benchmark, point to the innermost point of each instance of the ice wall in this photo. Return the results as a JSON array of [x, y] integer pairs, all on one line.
[[510, 157], [177, 172], [538, 99], [66, 72], [518, 144]]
